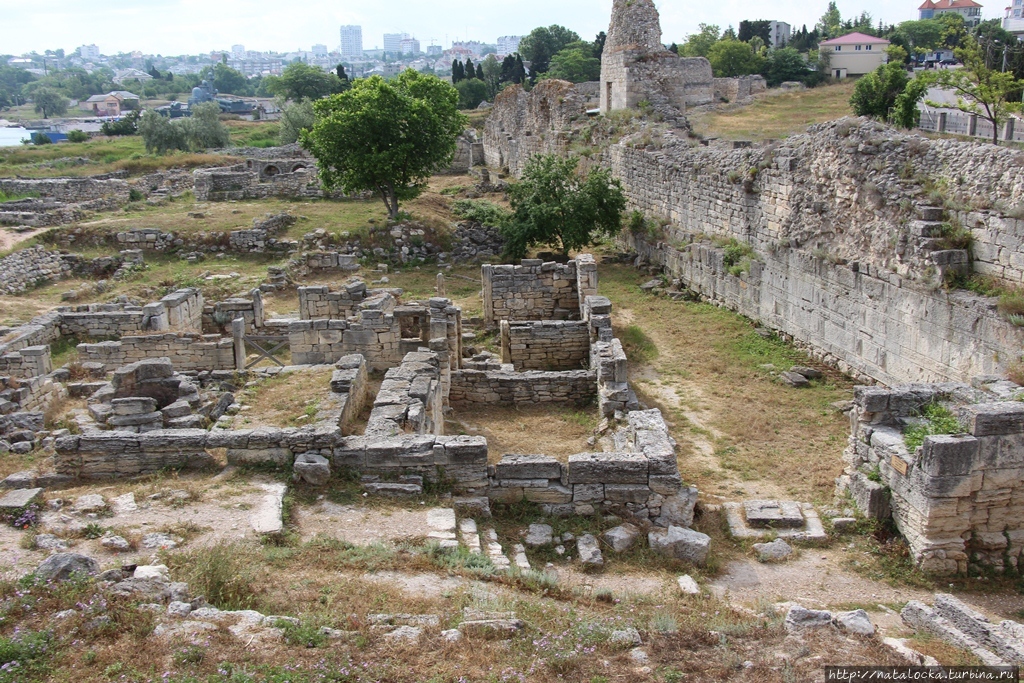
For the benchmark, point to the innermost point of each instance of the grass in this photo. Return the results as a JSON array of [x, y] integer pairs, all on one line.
[[709, 370], [938, 419], [774, 116], [287, 400], [101, 155], [253, 133], [552, 430], [638, 346]]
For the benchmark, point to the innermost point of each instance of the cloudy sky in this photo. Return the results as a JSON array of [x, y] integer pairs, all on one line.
[[174, 27]]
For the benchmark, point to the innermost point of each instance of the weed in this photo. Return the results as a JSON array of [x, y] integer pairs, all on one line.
[[481, 211], [93, 531], [955, 236], [663, 622], [23, 655], [223, 573], [304, 634], [938, 420]]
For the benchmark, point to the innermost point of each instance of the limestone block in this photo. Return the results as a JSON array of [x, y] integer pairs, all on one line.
[[679, 543]]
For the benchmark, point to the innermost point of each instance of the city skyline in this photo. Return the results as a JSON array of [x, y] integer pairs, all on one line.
[[194, 27]]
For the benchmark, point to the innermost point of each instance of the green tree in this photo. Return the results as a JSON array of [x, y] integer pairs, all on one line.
[[50, 102], [385, 136], [905, 111], [920, 36], [295, 118], [556, 205], [875, 93], [831, 23], [480, 71], [472, 91], [161, 135], [458, 71], [300, 81], [761, 29], [229, 81], [204, 130], [544, 43], [470, 68], [128, 125], [980, 89], [699, 44], [785, 64], [731, 58], [575, 64], [492, 75], [599, 41]]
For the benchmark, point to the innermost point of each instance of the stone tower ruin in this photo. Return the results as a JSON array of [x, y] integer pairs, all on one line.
[[636, 67]]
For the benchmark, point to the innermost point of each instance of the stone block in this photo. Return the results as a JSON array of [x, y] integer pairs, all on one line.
[[949, 456], [528, 467], [554, 494], [621, 538], [762, 514], [312, 468], [608, 468], [993, 419], [681, 544]]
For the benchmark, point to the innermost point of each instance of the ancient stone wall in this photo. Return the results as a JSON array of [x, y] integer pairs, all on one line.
[[28, 394], [545, 345], [31, 361], [180, 311], [739, 89], [493, 387], [410, 400], [67, 189], [641, 482], [27, 268], [270, 178], [186, 351], [533, 290], [376, 335], [958, 499], [320, 303]]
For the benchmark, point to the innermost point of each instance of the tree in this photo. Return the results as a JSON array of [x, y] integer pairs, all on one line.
[[472, 91], [556, 205], [204, 130], [761, 29], [699, 44], [295, 118], [519, 74], [831, 23], [599, 41], [480, 71], [50, 102], [919, 36], [301, 81], [230, 81], [161, 135], [543, 43], [458, 71], [492, 75], [875, 93], [339, 71], [785, 64], [128, 125], [979, 89], [905, 112], [575, 64], [470, 69], [731, 58], [385, 136]]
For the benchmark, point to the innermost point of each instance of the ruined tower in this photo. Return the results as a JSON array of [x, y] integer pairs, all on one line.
[[636, 67]]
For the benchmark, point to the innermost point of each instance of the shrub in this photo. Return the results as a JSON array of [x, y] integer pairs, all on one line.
[[41, 139], [938, 420], [78, 136], [222, 573], [481, 211]]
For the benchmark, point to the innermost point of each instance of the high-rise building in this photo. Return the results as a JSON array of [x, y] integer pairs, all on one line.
[[434, 50], [319, 50], [393, 42], [780, 33], [89, 52], [508, 45], [352, 42], [238, 51], [409, 46]]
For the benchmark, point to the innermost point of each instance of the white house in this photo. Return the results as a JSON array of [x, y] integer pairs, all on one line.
[[854, 54]]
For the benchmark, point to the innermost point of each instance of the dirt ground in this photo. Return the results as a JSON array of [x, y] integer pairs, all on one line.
[[524, 430]]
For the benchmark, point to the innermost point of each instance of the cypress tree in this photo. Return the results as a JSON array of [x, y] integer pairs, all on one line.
[[480, 71], [456, 66], [519, 75], [470, 71]]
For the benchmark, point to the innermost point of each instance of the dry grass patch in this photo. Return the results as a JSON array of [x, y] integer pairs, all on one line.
[[287, 400], [536, 429], [757, 428], [778, 115]]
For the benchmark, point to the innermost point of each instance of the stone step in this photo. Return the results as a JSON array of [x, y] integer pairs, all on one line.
[[494, 550], [441, 522], [519, 556], [470, 536], [266, 518]]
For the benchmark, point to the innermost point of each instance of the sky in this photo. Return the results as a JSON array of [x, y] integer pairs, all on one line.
[[174, 27]]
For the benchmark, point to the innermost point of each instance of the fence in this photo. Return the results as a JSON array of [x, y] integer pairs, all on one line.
[[971, 125]]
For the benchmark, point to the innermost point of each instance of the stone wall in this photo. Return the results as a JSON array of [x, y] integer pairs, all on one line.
[[29, 394], [375, 335], [410, 400], [186, 351], [958, 499], [31, 361], [66, 189], [545, 345], [739, 89], [495, 387], [104, 455], [320, 303], [533, 290], [218, 316], [256, 181], [179, 311], [28, 268], [641, 482], [636, 67]]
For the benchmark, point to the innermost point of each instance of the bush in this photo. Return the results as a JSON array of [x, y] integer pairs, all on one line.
[[41, 139], [938, 420], [295, 118], [222, 573], [78, 136], [481, 211], [128, 125]]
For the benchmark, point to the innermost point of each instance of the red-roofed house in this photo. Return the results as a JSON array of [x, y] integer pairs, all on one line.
[[968, 9], [854, 54]]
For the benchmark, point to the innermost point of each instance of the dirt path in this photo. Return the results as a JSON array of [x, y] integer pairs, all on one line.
[[12, 237]]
